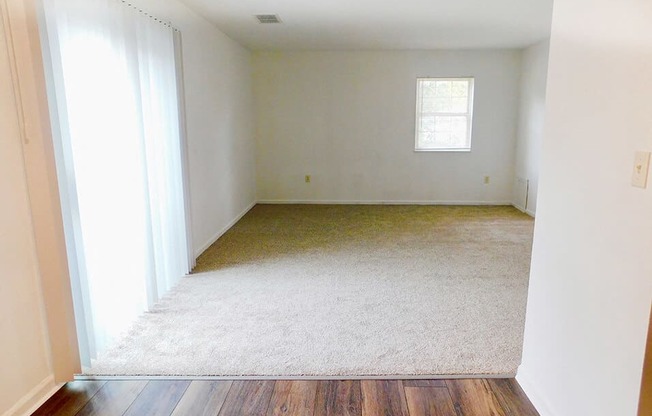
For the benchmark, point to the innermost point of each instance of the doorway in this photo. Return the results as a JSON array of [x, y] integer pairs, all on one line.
[[115, 94]]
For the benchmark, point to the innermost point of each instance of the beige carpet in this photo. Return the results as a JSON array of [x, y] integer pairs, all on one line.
[[344, 290]]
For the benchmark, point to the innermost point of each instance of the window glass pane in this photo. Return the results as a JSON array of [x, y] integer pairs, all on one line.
[[428, 105], [460, 88], [427, 123], [443, 104], [458, 140], [459, 124], [426, 139], [428, 88], [444, 88], [459, 105], [443, 124], [444, 140], [459, 129]]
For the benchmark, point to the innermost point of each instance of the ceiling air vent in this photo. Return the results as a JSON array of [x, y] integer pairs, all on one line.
[[268, 18]]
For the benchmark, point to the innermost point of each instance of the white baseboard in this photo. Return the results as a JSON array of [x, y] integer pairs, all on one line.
[[35, 398], [523, 210], [528, 386], [518, 207], [378, 202], [224, 230]]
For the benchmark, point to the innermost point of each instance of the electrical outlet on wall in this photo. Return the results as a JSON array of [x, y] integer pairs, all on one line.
[[308, 178], [641, 167], [487, 179]]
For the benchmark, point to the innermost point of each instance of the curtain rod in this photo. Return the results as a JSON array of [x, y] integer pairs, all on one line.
[[141, 11]]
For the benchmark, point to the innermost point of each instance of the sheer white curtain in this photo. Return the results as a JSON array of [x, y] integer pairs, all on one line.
[[115, 82]]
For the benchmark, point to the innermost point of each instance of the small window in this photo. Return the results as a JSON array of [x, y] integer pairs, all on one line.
[[444, 114]]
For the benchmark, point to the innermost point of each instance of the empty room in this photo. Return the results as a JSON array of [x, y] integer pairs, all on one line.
[[226, 207]]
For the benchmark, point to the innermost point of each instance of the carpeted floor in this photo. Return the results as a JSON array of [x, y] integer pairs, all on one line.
[[344, 290]]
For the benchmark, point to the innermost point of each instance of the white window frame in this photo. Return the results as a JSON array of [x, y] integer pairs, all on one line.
[[468, 114]]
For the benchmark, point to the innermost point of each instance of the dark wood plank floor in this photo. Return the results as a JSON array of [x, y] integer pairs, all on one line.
[[466, 397]]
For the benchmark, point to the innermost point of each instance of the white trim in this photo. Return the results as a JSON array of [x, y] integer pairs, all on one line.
[[75, 256], [444, 150], [18, 93], [224, 230], [524, 211], [282, 377], [518, 207], [34, 398], [537, 400], [381, 202], [13, 67]]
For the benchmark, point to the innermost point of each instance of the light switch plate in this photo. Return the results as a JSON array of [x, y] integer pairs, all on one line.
[[641, 167]]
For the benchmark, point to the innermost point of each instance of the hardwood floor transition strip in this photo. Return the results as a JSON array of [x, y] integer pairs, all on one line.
[[403, 377]]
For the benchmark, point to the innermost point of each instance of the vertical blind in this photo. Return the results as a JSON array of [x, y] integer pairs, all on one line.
[[113, 85]]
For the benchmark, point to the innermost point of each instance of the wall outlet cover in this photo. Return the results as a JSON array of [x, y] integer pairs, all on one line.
[[641, 168]]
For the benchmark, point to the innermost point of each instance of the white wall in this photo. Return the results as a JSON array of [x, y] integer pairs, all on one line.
[[534, 72], [347, 119], [591, 276], [24, 354], [219, 111]]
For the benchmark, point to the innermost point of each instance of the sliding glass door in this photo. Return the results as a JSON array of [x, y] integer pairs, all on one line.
[[115, 102]]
